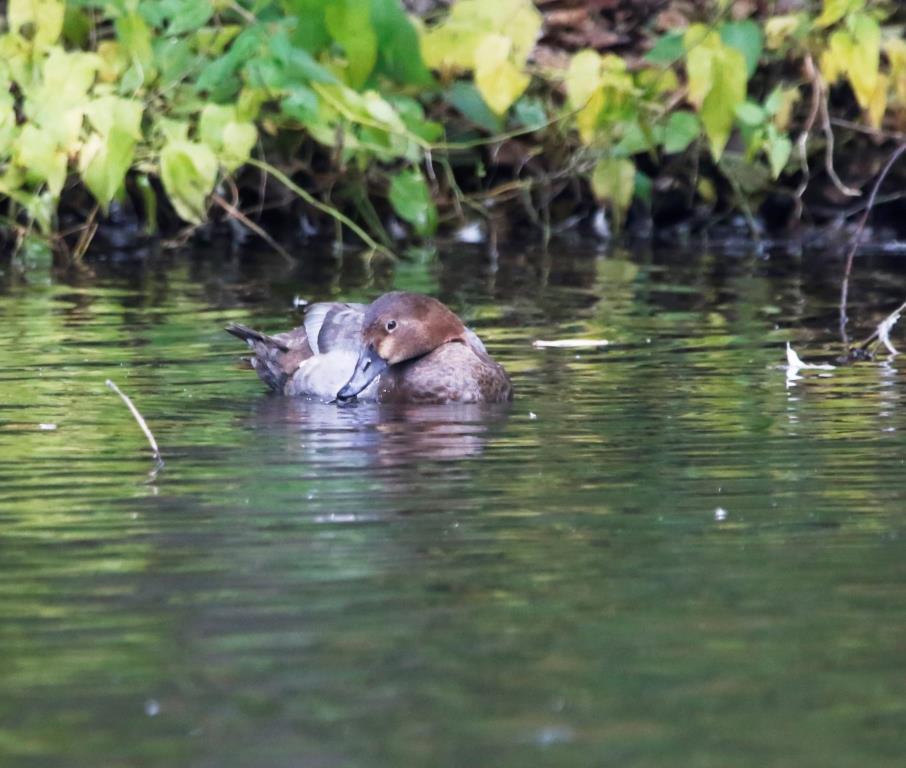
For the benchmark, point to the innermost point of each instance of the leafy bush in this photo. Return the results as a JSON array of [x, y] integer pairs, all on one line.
[[180, 95]]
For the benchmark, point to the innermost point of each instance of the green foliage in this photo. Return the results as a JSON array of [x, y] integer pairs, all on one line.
[[178, 95], [411, 199]]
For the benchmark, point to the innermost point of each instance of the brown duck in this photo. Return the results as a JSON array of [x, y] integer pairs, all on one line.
[[403, 347]]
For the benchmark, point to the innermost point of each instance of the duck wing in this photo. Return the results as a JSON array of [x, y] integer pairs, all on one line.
[[334, 326]]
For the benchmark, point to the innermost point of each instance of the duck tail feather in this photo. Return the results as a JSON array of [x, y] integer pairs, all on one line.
[[251, 335]]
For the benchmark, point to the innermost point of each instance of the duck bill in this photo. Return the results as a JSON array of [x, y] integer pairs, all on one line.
[[369, 366]]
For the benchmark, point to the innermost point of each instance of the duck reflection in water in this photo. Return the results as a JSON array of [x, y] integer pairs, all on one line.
[[377, 435]]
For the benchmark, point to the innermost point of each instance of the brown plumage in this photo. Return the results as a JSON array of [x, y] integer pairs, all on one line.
[[403, 347]]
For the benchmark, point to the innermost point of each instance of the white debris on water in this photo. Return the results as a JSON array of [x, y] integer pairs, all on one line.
[[47, 427], [720, 514], [152, 707], [532, 415], [570, 343], [884, 332], [795, 363]]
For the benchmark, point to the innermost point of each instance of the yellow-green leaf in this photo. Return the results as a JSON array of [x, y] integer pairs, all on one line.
[[583, 91], [835, 58], [779, 29], [583, 78], [451, 45], [895, 49], [613, 182], [188, 171], [45, 16], [7, 121], [877, 104], [727, 92], [834, 10], [104, 161], [499, 81], [37, 151], [862, 69], [231, 140], [109, 112], [699, 63]]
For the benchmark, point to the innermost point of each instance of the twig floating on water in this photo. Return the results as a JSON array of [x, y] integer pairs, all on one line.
[[140, 419], [570, 343]]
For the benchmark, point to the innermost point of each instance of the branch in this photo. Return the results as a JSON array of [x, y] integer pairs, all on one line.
[[844, 288], [141, 422], [233, 211], [336, 214]]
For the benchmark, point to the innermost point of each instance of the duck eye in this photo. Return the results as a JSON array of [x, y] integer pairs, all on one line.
[[391, 324]]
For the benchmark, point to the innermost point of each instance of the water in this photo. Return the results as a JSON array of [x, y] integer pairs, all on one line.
[[664, 553]]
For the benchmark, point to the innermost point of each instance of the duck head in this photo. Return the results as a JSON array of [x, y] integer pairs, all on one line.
[[399, 327]]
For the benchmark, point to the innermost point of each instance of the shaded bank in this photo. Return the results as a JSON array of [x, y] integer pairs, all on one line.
[[354, 120]]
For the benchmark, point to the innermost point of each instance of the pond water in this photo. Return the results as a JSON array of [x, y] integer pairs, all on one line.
[[664, 553]]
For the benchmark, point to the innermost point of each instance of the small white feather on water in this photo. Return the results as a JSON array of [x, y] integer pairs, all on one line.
[[795, 363], [570, 343]]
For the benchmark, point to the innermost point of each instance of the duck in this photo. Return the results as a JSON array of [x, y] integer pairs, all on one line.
[[402, 347]]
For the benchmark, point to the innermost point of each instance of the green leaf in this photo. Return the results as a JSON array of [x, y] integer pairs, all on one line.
[[399, 57], [667, 49], [188, 172], [109, 112], [530, 113], [104, 162], [465, 97], [751, 114], [135, 37], [190, 15], [176, 59], [779, 148], [349, 22], [411, 199], [413, 116], [643, 187], [638, 138], [297, 63], [301, 104], [231, 140], [311, 31], [747, 38], [682, 129], [219, 77]]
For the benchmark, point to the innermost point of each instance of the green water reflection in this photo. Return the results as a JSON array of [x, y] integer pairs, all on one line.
[[664, 553]]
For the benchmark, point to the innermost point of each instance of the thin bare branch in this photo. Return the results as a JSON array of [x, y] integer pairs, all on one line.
[[139, 419], [844, 288], [233, 211]]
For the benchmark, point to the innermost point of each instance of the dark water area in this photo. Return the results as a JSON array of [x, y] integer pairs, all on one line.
[[665, 552]]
